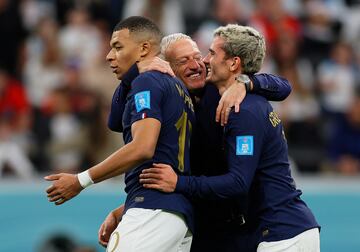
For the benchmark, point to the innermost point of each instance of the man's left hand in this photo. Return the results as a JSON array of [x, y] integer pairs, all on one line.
[[233, 96], [65, 186]]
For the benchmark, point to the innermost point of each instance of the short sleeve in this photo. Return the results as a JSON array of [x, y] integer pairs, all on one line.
[[146, 98]]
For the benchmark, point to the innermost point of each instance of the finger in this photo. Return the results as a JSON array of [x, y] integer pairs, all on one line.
[[61, 201], [225, 119], [150, 175], [152, 186], [151, 170], [53, 193], [237, 107], [55, 198], [223, 115], [171, 72], [50, 189], [103, 243], [161, 165], [52, 177], [101, 231], [149, 181], [219, 110]]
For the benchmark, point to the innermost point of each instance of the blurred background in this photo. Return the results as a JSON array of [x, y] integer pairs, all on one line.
[[56, 88]]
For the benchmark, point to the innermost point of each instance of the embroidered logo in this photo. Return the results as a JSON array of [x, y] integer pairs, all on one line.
[[142, 100], [244, 145], [139, 199]]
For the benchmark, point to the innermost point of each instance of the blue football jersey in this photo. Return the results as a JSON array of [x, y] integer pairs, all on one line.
[[164, 98], [258, 166]]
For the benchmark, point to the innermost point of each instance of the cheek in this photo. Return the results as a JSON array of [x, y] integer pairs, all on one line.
[[125, 58]]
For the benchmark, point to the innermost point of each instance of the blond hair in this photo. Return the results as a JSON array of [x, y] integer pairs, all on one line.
[[244, 42]]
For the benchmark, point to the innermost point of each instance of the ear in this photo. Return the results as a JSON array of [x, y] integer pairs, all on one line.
[[235, 64], [145, 49]]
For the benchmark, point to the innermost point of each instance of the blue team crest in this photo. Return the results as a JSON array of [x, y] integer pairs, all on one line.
[[244, 145], [142, 100]]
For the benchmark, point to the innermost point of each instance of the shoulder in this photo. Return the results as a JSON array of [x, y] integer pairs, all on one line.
[[253, 107], [254, 102], [152, 78]]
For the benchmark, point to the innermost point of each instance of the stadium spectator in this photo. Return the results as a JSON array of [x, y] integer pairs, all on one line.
[[167, 14], [344, 140], [15, 123]]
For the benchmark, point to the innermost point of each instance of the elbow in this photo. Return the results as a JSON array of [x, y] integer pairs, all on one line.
[[144, 153], [147, 154], [288, 89]]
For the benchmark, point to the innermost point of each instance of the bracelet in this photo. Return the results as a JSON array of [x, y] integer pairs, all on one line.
[[85, 179]]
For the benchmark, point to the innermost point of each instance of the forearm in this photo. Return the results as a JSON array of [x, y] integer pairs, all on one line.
[[118, 163], [225, 186], [118, 212], [272, 87]]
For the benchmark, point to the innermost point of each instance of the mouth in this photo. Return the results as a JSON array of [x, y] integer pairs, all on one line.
[[194, 75], [208, 70], [114, 69]]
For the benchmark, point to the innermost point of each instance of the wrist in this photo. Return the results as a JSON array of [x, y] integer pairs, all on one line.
[[84, 179], [246, 81]]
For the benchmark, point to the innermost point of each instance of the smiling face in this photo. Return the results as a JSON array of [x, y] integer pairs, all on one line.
[[186, 62], [124, 52], [218, 65]]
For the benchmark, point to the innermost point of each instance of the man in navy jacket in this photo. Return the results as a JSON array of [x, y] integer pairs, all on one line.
[[256, 154]]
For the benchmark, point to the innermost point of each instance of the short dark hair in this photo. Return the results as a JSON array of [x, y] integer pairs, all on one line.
[[138, 24]]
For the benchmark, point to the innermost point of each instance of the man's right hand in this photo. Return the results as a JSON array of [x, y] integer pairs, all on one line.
[[109, 225], [155, 64]]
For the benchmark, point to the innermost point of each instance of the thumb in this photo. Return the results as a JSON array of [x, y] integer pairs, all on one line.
[[52, 177]]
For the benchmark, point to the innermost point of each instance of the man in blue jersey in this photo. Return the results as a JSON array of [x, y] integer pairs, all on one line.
[[227, 231], [256, 153], [157, 120]]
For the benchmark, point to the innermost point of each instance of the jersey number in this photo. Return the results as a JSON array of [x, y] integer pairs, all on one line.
[[181, 126]]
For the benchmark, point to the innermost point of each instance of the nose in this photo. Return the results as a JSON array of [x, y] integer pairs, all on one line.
[[110, 56], [206, 59], [193, 64]]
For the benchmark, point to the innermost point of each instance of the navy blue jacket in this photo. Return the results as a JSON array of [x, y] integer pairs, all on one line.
[[258, 167]]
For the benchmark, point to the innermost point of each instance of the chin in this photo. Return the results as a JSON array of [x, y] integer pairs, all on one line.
[[195, 85]]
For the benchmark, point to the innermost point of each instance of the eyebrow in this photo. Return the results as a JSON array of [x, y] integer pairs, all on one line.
[[113, 44]]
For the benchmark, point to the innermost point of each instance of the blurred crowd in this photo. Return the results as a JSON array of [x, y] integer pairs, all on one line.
[[56, 87]]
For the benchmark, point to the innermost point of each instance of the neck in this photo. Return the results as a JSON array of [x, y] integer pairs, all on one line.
[[224, 85]]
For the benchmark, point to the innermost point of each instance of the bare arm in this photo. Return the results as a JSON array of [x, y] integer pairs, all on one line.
[[109, 225], [145, 134]]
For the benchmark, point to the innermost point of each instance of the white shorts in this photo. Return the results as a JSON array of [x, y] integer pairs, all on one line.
[[308, 241], [147, 230]]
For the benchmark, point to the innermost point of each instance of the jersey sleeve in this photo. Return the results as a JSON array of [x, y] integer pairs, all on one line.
[[244, 137], [272, 87], [119, 100], [146, 98], [117, 109]]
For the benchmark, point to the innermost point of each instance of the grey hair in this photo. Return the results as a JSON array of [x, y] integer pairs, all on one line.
[[169, 39], [244, 42]]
